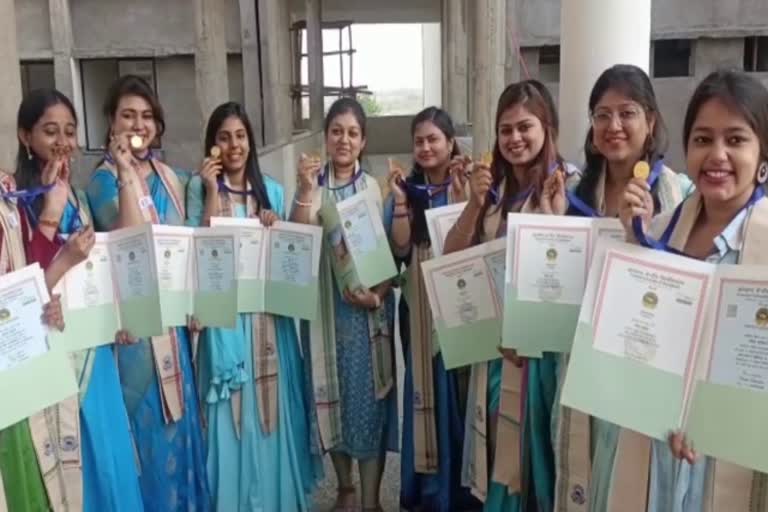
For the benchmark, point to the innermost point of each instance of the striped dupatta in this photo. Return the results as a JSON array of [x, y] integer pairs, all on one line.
[[264, 336]]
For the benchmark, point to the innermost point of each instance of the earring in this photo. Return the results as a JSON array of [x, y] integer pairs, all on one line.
[[29, 153], [762, 173]]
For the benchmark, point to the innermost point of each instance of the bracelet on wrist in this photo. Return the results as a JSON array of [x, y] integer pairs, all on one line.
[[302, 203], [48, 223]]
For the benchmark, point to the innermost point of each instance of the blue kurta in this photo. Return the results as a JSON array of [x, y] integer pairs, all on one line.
[[256, 471]]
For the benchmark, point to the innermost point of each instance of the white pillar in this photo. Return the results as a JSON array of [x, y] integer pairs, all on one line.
[[249, 40], [455, 50], [488, 73], [10, 84], [431, 64], [211, 79], [595, 35], [275, 40], [315, 64]]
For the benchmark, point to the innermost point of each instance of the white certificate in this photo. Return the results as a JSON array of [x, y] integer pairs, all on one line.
[[439, 222], [90, 283], [612, 229], [649, 311], [360, 223], [551, 263], [22, 333], [740, 345], [172, 246], [131, 254], [251, 234], [215, 259], [463, 287], [291, 256]]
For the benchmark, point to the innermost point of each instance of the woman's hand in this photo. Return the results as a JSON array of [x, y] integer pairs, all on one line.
[[510, 354], [362, 298], [458, 170], [636, 201], [52, 313], [209, 173], [79, 246], [553, 199], [306, 176], [480, 182], [396, 181], [680, 448], [268, 218], [120, 149]]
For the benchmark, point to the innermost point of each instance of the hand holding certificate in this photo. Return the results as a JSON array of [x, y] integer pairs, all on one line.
[[25, 354], [465, 296]]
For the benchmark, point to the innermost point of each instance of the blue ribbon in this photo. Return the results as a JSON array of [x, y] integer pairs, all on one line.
[[149, 156], [29, 194], [322, 179], [426, 190], [588, 211], [520, 196], [224, 188], [662, 244]]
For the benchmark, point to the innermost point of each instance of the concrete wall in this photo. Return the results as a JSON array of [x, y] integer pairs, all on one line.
[[33, 29], [374, 11], [538, 21]]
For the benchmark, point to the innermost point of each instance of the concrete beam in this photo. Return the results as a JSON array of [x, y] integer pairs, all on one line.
[[211, 78], [249, 36], [275, 41], [490, 47], [315, 51], [10, 84], [596, 35], [455, 50]]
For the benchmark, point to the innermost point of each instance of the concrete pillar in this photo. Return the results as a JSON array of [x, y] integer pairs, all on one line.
[[10, 84], [488, 74], [211, 79], [455, 50], [594, 35], [315, 64], [431, 64], [65, 69], [275, 40], [249, 41]]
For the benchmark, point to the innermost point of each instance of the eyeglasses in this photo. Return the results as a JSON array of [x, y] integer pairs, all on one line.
[[602, 118]]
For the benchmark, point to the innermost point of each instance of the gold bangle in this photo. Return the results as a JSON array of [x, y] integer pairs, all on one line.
[[48, 223]]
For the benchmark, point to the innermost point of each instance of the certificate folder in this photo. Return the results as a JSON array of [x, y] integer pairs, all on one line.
[[682, 349], [35, 373], [465, 295]]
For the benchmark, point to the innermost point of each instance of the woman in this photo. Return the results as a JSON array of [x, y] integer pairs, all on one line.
[[47, 126], [433, 426], [627, 128], [129, 188], [524, 154], [356, 399], [257, 458], [725, 133], [23, 488]]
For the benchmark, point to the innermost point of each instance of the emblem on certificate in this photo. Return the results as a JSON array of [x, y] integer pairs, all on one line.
[[650, 300], [761, 317], [551, 254], [5, 315]]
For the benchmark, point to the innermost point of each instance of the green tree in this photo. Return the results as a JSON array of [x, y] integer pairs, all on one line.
[[370, 104]]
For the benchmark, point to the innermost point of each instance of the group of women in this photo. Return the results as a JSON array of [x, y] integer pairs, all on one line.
[[239, 419]]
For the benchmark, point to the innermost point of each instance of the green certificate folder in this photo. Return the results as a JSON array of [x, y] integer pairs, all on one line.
[[216, 261], [465, 293]]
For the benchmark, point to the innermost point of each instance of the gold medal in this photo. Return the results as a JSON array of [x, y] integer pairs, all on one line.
[[215, 151], [487, 159], [136, 142], [641, 170]]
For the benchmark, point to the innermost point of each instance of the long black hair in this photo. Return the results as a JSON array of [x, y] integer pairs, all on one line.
[[252, 170], [740, 92], [634, 83], [28, 165], [420, 202]]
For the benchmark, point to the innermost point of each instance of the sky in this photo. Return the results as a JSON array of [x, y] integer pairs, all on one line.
[[389, 56]]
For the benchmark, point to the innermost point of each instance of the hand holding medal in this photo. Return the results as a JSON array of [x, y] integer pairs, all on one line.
[[553, 196], [480, 180], [396, 181], [636, 201], [211, 170], [310, 166], [459, 170]]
